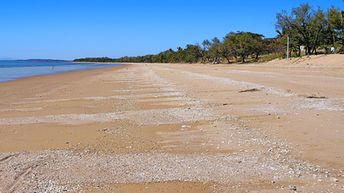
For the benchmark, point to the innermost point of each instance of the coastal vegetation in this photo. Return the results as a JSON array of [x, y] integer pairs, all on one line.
[[309, 30]]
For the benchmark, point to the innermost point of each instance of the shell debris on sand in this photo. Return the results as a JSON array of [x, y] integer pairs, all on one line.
[[65, 170]]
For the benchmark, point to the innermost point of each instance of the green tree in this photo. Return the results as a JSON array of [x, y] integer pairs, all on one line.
[[180, 55], [193, 53], [206, 44], [303, 25], [215, 51], [244, 44], [336, 27], [258, 45], [318, 30]]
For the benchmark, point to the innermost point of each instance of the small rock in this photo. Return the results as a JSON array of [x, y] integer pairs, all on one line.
[[292, 187], [335, 180]]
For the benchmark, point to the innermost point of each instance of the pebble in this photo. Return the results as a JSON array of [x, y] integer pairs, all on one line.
[[292, 187]]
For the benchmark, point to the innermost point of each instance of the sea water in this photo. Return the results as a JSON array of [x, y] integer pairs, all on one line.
[[15, 69]]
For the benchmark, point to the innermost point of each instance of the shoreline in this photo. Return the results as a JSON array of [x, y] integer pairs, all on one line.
[[62, 72]]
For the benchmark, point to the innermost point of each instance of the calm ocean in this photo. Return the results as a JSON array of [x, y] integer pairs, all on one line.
[[15, 69]]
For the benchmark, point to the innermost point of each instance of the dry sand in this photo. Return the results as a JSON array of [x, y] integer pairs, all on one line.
[[273, 127]]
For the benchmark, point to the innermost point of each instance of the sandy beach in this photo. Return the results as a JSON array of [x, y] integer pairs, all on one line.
[[272, 127]]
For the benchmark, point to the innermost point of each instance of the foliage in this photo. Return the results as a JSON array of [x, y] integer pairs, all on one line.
[[336, 27], [244, 44], [314, 29], [103, 59], [311, 28]]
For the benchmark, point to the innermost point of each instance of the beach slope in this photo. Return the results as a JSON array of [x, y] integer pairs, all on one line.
[[271, 127]]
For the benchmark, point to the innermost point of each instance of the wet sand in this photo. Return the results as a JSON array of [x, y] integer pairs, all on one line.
[[272, 127]]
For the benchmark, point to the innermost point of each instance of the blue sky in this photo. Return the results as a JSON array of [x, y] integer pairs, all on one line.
[[67, 29]]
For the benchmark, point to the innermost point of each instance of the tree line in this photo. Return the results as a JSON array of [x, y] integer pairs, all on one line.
[[310, 31]]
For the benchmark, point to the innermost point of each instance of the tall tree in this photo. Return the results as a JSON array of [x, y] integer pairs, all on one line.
[[243, 44], [304, 25], [318, 25], [215, 51], [180, 55], [193, 53], [336, 26], [206, 44], [258, 44]]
